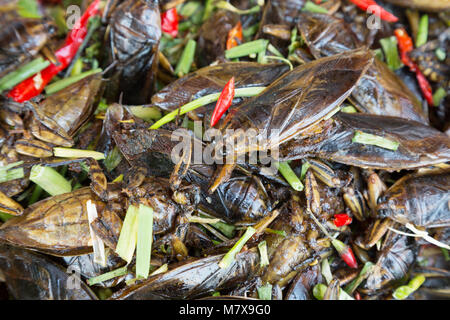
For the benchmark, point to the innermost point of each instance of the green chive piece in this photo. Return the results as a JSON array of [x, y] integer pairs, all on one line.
[[239, 93], [367, 138], [438, 96], [265, 292], [305, 167], [146, 113], [228, 6], [250, 31], [312, 7], [113, 159], [440, 54], [63, 83], [8, 172], [404, 291], [319, 291], [77, 153], [264, 259], [277, 232], [246, 49], [37, 191], [349, 109], [290, 176], [128, 235], [108, 275], [144, 241], [229, 256], [50, 180], [422, 33], [28, 9], [326, 271], [187, 57], [389, 46], [24, 72], [365, 271]]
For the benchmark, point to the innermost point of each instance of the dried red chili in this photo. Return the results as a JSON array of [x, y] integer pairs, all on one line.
[[34, 85], [357, 296], [405, 45], [224, 102], [234, 36], [346, 253], [169, 22], [342, 219], [375, 9]]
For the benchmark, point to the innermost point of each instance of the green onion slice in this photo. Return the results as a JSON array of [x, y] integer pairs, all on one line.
[[107, 276], [264, 259], [63, 83], [246, 49], [128, 235], [290, 176], [50, 180], [144, 241], [229, 256], [367, 138]]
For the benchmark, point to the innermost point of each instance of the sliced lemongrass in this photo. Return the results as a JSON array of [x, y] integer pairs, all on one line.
[[281, 59], [119, 178], [107, 276], [146, 113], [160, 270], [264, 259], [404, 291], [24, 72], [290, 176], [97, 243], [326, 271], [144, 241], [228, 6], [196, 219], [438, 96], [367, 138], [128, 235], [50, 180], [265, 292], [389, 46], [187, 57], [246, 49], [365, 271], [194, 104], [229, 256], [63, 83], [113, 159], [422, 33], [77, 153], [312, 7], [349, 109]]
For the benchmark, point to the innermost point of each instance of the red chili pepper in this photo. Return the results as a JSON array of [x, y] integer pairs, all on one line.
[[405, 45], [357, 296], [34, 85], [234, 35], [375, 9], [224, 102], [345, 252], [169, 22], [342, 219]]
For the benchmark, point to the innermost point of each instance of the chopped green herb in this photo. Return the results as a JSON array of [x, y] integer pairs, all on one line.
[[264, 259], [229, 256], [209, 7], [107, 276], [63, 83], [312, 7], [187, 57], [128, 235], [367, 138], [265, 292], [404, 291], [113, 159], [144, 241], [50, 180], [37, 191], [241, 92], [189, 8], [250, 31], [290, 176], [390, 49], [422, 33], [246, 49], [365, 271], [77, 153], [77, 68], [438, 96]]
